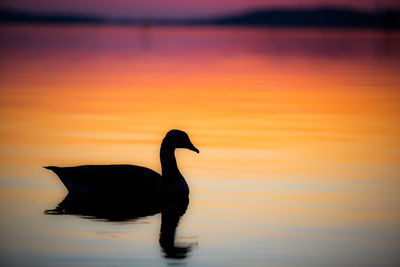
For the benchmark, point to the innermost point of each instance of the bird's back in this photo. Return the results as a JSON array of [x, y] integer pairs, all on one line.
[[110, 180]]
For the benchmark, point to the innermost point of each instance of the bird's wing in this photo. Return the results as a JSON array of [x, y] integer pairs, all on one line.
[[109, 178]]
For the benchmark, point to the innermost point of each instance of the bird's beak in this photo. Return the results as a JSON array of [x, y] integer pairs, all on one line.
[[193, 148]]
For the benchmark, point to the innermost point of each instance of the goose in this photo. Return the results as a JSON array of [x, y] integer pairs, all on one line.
[[131, 181]]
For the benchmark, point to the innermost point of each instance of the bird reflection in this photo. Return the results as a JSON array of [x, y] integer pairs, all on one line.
[[120, 209], [171, 212]]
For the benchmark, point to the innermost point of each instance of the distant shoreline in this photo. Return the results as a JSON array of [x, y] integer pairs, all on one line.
[[273, 18]]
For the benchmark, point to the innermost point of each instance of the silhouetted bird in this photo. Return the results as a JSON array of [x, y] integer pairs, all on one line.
[[127, 192], [131, 182]]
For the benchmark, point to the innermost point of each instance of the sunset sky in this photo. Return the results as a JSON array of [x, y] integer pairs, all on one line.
[[178, 8]]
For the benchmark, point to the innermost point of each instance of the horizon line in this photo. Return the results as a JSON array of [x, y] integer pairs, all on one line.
[[384, 18]]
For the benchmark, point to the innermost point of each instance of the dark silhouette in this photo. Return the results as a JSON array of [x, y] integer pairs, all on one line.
[[137, 182], [390, 19], [105, 208], [330, 17], [127, 192], [171, 212], [121, 210], [319, 18]]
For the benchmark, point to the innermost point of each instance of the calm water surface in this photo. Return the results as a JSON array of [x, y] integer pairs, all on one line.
[[298, 132]]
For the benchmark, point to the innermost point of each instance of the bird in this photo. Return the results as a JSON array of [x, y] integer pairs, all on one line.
[[129, 182]]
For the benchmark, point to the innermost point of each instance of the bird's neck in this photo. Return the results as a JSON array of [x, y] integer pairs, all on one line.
[[168, 162]]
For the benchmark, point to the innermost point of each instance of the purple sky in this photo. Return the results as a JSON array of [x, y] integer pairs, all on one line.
[[178, 8]]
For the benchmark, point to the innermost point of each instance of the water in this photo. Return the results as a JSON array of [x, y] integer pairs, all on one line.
[[298, 132]]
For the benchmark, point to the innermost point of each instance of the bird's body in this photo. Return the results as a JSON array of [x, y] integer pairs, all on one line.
[[130, 181], [110, 179]]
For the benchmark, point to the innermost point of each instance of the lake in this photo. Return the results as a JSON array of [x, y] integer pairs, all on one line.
[[298, 132]]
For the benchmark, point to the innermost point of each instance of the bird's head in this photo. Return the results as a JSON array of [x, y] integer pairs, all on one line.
[[179, 139]]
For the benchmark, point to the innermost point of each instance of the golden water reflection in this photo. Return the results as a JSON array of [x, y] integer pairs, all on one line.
[[298, 132]]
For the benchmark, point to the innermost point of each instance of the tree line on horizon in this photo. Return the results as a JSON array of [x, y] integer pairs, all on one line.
[[317, 17]]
